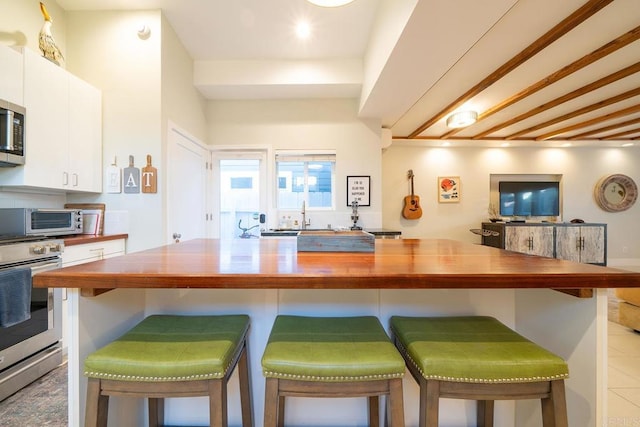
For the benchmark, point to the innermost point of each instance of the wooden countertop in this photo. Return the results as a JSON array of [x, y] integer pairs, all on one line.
[[276, 264]]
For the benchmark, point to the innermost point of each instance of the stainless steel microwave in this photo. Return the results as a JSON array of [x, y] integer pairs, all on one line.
[[40, 222], [11, 134]]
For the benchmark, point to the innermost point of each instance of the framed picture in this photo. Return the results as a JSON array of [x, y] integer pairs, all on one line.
[[449, 189], [358, 190]]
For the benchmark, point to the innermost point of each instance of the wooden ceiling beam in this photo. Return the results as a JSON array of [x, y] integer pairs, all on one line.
[[583, 13], [589, 108], [621, 134], [606, 117], [625, 72], [605, 129], [603, 51]]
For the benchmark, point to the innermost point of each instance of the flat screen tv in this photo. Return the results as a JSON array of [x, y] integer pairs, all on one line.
[[529, 198]]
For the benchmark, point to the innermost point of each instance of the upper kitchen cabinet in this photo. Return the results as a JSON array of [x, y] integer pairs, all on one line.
[[63, 131], [85, 136], [11, 82]]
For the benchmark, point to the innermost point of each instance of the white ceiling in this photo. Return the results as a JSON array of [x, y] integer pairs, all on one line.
[[406, 60]]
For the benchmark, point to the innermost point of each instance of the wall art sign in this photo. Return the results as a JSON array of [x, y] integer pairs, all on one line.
[[131, 178], [358, 190], [449, 189]]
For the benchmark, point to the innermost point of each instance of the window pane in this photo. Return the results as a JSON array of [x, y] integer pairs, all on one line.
[[309, 181]]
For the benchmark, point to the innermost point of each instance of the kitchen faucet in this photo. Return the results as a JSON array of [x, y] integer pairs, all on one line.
[[305, 224]]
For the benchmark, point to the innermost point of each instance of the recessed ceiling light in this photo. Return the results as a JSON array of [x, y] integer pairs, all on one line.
[[303, 30], [330, 3]]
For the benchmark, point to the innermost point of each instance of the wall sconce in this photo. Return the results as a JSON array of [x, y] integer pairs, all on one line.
[[144, 32], [330, 3], [462, 119]]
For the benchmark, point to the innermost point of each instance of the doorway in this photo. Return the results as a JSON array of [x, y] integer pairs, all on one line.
[[240, 193]]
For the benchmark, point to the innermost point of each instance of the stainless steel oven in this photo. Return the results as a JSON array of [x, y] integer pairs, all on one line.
[[30, 348]]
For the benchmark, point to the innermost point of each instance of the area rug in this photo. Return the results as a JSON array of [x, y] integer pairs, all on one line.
[[41, 403]]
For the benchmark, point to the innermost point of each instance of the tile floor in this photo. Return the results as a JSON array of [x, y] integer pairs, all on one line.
[[624, 376]]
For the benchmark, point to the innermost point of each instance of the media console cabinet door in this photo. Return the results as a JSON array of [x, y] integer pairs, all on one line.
[[532, 240], [584, 244]]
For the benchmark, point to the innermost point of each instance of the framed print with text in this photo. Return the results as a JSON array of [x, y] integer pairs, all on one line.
[[358, 190], [448, 189]]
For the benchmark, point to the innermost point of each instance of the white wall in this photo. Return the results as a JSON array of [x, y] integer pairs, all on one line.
[[307, 124], [21, 20], [581, 169]]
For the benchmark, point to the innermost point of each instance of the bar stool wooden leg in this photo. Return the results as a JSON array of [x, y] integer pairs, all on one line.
[[245, 388], [396, 402], [97, 406], [271, 403], [431, 401], [554, 408], [156, 412], [373, 402], [485, 413], [217, 403]]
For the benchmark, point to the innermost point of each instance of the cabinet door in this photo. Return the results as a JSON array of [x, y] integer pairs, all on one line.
[[593, 244], [12, 76], [568, 243], [533, 240], [85, 137], [46, 98], [584, 244]]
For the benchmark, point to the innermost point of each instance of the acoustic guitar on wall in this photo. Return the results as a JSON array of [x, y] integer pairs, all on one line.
[[412, 209]]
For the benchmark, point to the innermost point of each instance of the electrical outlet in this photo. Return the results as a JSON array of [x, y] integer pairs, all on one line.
[[625, 249]]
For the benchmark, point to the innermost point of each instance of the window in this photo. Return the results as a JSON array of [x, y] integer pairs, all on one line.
[[308, 178]]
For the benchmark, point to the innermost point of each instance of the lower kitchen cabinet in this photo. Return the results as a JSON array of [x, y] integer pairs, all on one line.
[[87, 252]]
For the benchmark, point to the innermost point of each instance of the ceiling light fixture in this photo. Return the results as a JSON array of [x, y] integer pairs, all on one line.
[[462, 119], [330, 3], [303, 30]]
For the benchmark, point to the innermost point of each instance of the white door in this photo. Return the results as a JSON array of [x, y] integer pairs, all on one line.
[[239, 193], [187, 186]]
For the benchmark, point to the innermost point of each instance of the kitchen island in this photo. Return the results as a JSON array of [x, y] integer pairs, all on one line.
[[264, 277]]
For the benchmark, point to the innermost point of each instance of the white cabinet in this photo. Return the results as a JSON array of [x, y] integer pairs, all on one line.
[[533, 240], [12, 78], [85, 136], [63, 131], [87, 252], [581, 243]]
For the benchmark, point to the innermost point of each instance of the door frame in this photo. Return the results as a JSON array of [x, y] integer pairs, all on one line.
[[218, 152]]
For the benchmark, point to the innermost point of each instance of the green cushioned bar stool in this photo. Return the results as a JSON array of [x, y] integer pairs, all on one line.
[[171, 356], [479, 358], [332, 357]]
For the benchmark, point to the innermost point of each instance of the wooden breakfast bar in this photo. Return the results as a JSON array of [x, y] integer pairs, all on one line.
[[263, 278]]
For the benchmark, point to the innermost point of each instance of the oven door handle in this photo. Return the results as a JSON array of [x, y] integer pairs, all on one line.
[[45, 266]]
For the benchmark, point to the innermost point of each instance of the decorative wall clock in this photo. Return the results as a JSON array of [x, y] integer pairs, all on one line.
[[616, 193]]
